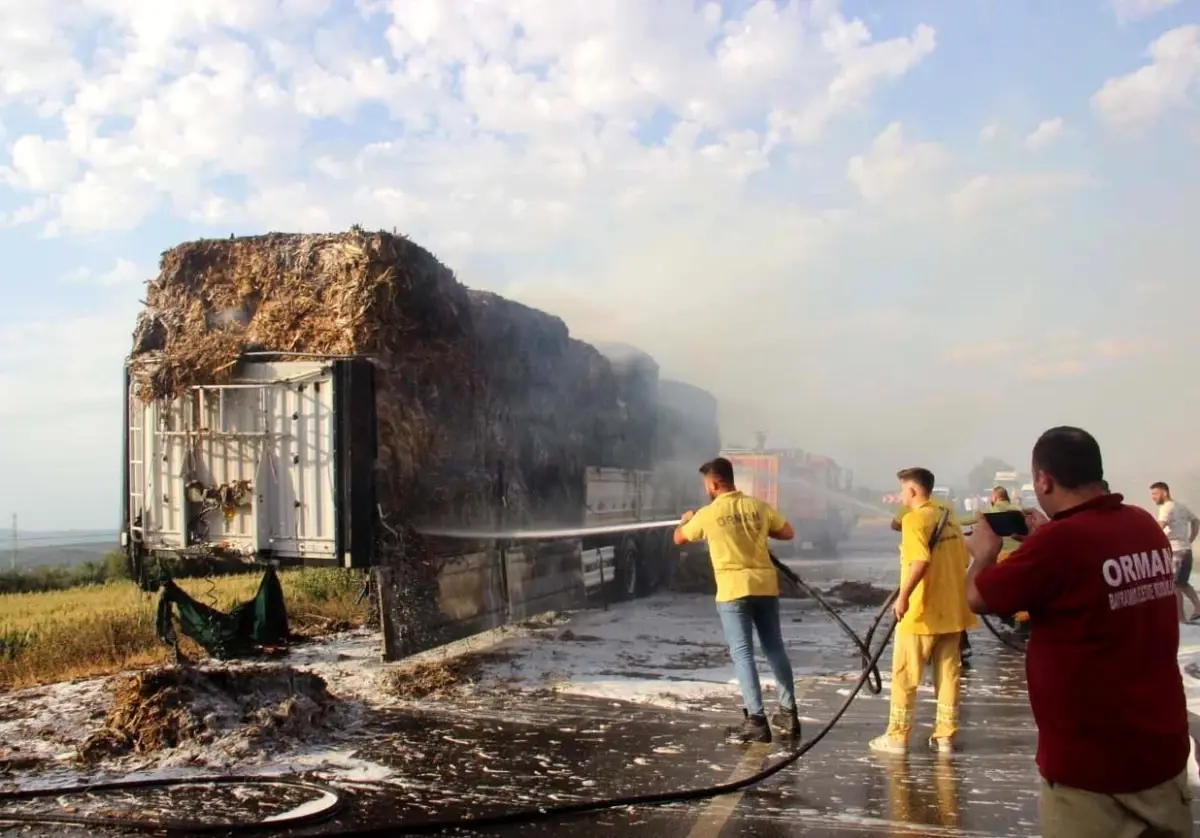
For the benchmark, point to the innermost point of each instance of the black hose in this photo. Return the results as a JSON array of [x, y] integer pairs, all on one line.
[[1003, 636], [306, 816], [522, 816], [870, 677]]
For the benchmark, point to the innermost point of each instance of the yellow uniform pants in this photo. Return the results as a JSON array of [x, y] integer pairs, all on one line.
[[1163, 810], [910, 654], [1020, 616]]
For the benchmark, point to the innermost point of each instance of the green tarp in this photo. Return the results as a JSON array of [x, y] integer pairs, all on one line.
[[247, 628]]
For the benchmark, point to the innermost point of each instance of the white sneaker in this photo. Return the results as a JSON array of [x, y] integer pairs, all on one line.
[[888, 745], [942, 747]]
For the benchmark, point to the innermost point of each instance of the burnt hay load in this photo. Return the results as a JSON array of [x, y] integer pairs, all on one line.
[[320, 399]]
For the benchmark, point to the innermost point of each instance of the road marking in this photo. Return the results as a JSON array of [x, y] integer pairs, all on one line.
[[716, 813]]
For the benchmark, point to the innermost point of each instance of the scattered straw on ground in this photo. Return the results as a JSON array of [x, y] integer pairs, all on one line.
[[437, 678], [172, 707], [859, 593]]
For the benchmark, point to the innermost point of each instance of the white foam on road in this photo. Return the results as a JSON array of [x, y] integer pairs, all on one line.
[[666, 651], [1189, 666]]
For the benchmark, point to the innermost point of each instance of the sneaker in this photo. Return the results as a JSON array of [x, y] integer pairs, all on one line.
[[787, 723], [753, 729], [888, 745], [941, 747]]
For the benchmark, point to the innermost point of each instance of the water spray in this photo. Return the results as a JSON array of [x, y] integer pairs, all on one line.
[[547, 534]]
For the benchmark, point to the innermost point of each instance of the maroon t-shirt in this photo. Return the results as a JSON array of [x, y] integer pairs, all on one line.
[[1104, 680]]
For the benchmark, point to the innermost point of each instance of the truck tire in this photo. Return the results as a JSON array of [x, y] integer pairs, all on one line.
[[827, 545], [628, 570], [653, 552]]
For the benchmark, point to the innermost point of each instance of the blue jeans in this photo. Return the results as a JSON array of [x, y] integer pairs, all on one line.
[[740, 617]]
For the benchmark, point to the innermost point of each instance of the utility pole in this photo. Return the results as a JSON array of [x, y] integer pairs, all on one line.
[[14, 542]]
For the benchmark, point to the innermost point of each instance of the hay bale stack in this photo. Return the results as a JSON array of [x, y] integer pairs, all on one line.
[[688, 427], [353, 293], [637, 387], [553, 404], [467, 382]]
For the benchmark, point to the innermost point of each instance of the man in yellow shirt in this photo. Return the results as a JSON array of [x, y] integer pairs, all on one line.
[[931, 614], [964, 642], [736, 528]]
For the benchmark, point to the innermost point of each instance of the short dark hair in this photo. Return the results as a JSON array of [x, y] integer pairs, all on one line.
[[721, 469], [1161, 485], [1071, 456], [1001, 491], [923, 477]]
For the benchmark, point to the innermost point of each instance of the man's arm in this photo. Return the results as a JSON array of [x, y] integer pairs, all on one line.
[[691, 528], [778, 527], [1193, 526], [984, 546], [914, 557], [1032, 577]]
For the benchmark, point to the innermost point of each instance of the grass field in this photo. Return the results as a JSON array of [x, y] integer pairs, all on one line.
[[102, 629]]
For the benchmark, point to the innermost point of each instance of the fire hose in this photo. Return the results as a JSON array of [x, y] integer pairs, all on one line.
[[335, 801]]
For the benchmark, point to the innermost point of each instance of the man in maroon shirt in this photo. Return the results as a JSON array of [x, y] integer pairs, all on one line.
[[1104, 682]]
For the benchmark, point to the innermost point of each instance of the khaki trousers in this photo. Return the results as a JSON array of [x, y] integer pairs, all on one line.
[[1164, 811], [910, 654]]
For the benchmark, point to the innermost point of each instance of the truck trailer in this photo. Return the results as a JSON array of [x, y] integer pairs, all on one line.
[[341, 400]]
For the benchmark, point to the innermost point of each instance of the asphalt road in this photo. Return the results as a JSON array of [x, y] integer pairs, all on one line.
[[467, 759]]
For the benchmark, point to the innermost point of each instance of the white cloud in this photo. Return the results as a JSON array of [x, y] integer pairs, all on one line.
[[989, 132], [1047, 133], [667, 173], [1128, 11], [989, 192], [893, 165], [578, 82], [40, 165], [123, 272], [1166, 83]]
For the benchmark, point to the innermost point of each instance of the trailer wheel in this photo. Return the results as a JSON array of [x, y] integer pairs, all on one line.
[[628, 558], [827, 544], [653, 558]]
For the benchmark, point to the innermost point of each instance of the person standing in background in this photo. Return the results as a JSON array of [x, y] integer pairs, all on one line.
[[1001, 502], [736, 527], [931, 613], [1181, 527]]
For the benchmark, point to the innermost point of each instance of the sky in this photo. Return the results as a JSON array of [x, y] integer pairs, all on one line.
[[894, 233]]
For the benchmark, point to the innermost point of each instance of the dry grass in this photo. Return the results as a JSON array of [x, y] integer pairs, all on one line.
[[103, 629]]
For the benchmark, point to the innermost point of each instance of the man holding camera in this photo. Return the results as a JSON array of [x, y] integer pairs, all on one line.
[[1104, 684]]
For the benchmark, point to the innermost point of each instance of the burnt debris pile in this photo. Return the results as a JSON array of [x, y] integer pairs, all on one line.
[[214, 712]]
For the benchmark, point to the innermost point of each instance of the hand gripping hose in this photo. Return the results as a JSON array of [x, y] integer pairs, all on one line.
[[869, 677]]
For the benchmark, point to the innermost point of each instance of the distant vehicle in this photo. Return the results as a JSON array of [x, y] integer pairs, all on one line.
[[807, 489], [1028, 497], [947, 496]]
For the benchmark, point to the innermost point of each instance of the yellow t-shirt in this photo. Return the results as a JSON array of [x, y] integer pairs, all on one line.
[[736, 528], [938, 604], [904, 510]]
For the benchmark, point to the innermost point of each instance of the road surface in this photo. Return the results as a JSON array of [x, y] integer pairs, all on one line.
[[475, 755]]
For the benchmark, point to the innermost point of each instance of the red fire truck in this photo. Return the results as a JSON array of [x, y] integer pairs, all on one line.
[[810, 490]]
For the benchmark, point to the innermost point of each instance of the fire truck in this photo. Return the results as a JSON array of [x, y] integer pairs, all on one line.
[[808, 489]]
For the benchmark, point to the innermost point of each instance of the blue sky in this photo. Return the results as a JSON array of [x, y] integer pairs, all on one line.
[[894, 232]]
